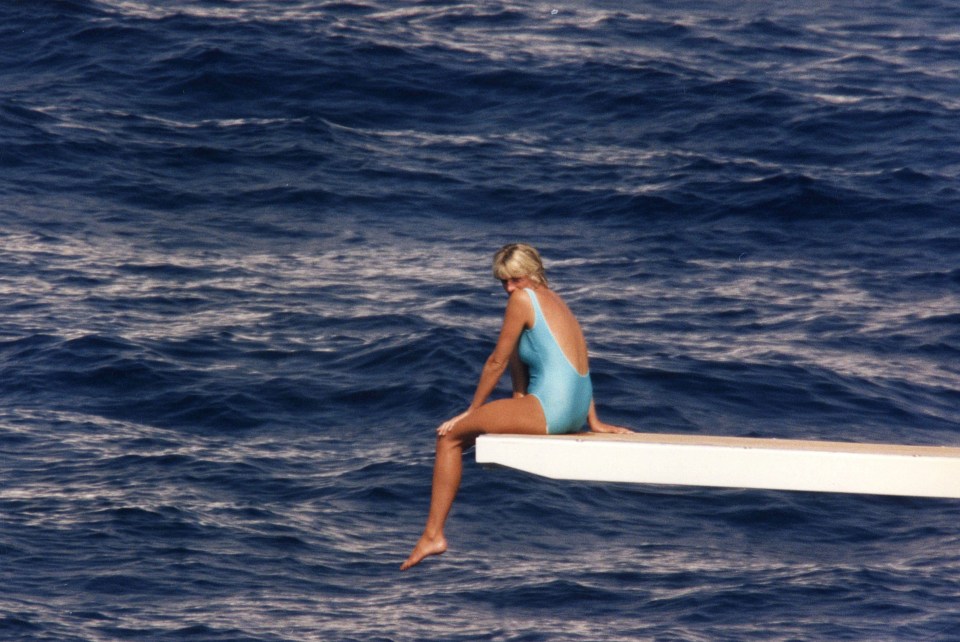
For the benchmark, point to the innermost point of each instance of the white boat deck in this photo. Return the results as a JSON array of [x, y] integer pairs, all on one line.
[[731, 462]]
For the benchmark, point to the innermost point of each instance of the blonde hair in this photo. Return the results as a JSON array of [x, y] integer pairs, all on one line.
[[518, 260]]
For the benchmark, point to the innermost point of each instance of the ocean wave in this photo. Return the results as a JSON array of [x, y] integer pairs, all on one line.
[[244, 273]]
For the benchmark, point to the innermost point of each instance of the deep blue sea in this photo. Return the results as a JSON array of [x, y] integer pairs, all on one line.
[[244, 274]]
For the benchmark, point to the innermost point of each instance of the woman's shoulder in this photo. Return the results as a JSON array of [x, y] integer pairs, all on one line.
[[548, 297], [521, 298], [520, 303], [554, 305]]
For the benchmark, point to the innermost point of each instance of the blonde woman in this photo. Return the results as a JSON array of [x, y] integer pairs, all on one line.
[[543, 346]]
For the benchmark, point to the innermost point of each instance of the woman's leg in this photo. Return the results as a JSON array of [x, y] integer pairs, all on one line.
[[505, 416]]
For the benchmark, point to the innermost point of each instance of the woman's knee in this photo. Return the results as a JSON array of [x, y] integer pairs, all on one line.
[[456, 438]]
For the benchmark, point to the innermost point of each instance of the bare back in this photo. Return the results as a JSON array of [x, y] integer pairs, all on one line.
[[565, 328]]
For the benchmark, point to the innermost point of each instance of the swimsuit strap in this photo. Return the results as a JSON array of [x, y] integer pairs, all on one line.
[[536, 306]]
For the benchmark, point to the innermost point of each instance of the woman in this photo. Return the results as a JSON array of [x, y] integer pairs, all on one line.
[[542, 344]]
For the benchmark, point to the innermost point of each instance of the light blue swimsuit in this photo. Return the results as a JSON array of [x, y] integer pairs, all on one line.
[[563, 393]]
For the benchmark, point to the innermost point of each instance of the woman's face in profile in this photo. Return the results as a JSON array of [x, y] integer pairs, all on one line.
[[517, 283]]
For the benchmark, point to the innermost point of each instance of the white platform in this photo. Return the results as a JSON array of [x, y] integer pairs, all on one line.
[[732, 462]]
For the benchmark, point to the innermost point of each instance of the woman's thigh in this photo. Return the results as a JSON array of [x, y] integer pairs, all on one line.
[[522, 416]]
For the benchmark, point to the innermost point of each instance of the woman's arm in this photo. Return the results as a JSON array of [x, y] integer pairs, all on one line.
[[519, 312], [593, 421], [519, 375]]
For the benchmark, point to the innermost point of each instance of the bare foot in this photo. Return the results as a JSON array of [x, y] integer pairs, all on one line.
[[424, 548]]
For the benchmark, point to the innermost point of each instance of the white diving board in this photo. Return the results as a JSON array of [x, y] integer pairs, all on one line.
[[731, 462]]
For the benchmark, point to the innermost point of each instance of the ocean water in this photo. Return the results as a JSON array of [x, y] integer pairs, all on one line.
[[244, 266]]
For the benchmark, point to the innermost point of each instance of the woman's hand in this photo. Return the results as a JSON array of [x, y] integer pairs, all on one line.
[[448, 425], [593, 421], [600, 426]]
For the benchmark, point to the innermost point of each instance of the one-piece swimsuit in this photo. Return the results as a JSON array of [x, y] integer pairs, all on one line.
[[563, 393]]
